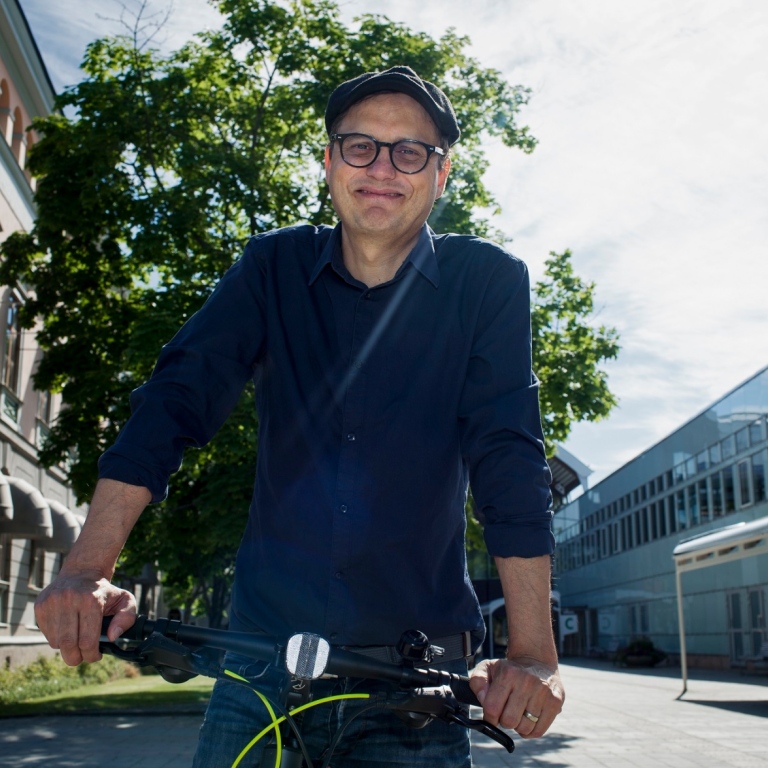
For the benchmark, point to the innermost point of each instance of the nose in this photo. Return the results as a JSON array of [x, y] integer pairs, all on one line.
[[382, 167]]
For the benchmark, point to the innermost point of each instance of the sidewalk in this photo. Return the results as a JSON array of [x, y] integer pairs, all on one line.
[[617, 717], [612, 718]]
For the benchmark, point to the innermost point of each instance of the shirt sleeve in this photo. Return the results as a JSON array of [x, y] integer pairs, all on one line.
[[500, 422], [196, 383]]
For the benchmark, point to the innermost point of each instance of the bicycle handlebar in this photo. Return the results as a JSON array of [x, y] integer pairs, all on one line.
[[178, 651], [341, 662]]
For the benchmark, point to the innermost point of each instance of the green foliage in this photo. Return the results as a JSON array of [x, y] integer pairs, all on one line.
[[568, 351], [50, 675], [147, 195]]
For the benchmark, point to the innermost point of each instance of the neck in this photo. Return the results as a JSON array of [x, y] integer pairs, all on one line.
[[374, 260]]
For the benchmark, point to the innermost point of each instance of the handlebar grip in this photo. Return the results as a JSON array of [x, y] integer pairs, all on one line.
[[461, 690]]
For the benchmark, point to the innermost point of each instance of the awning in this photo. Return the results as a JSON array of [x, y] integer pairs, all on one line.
[[6, 502], [568, 472], [723, 545], [31, 513], [66, 527]]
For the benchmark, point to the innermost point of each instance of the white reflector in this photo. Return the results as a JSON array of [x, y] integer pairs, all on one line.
[[307, 656]]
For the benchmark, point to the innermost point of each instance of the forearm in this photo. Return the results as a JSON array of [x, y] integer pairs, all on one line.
[[113, 512], [526, 583]]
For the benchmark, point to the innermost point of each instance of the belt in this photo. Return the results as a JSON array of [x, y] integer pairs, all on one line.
[[453, 647]]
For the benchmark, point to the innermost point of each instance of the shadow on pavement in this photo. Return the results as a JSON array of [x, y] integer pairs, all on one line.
[[756, 708], [550, 745]]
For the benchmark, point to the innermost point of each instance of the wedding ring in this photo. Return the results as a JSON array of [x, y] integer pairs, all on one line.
[[531, 716]]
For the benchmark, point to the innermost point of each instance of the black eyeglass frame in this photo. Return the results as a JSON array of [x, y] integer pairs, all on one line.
[[390, 145]]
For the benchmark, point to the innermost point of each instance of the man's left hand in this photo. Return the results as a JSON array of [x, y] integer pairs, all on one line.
[[522, 694]]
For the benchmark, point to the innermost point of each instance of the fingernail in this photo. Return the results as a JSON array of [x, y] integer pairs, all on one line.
[[481, 695]]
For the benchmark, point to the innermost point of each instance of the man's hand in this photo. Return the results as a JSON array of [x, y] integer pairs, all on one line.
[[521, 694], [70, 609]]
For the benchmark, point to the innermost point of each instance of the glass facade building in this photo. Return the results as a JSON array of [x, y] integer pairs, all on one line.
[[614, 564]]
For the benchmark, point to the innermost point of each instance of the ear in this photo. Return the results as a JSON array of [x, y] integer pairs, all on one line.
[[442, 177], [328, 150]]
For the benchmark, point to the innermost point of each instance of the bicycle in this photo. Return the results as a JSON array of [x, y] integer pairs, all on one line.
[[419, 695]]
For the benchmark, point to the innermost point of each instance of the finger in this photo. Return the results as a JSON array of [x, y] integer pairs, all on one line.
[[479, 680], [123, 615], [540, 712], [503, 704]]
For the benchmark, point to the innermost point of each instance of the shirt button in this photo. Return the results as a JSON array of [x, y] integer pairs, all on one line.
[[368, 295], [343, 509], [351, 437], [339, 575], [359, 364]]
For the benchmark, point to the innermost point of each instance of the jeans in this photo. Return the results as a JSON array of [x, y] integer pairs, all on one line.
[[374, 739]]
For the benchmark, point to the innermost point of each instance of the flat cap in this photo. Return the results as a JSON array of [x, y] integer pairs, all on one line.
[[401, 80]]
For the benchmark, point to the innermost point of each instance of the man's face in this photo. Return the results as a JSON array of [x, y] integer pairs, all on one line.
[[380, 200]]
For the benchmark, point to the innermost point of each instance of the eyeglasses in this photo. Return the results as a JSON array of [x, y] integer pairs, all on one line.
[[406, 155]]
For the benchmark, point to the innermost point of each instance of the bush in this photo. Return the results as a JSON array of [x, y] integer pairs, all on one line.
[[639, 653], [50, 675]]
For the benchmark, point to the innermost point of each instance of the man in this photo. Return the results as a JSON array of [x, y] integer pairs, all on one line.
[[392, 365]]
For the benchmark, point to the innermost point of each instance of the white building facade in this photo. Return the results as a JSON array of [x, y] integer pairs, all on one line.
[[38, 517]]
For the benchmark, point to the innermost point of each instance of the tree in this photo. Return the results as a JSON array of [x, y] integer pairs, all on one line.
[[568, 351], [146, 196]]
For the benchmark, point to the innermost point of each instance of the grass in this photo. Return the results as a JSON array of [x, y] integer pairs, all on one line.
[[144, 692]]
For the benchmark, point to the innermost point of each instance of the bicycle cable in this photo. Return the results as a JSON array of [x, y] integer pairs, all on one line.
[[288, 718]]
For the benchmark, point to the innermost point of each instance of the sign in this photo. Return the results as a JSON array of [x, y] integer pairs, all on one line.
[[569, 624]]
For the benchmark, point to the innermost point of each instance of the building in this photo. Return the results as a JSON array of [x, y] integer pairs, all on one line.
[[614, 562], [38, 516]]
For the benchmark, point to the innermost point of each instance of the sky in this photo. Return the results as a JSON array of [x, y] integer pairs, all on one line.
[[651, 167]]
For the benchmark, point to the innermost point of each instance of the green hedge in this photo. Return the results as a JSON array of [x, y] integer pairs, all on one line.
[[50, 675]]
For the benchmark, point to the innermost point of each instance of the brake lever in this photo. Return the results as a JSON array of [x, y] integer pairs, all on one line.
[[482, 726], [175, 662]]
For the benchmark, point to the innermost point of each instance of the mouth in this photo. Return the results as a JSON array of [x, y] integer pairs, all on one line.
[[378, 194]]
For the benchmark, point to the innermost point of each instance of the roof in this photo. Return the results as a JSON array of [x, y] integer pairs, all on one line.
[[731, 542]]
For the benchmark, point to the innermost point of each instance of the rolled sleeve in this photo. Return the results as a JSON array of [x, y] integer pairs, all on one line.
[[500, 423], [196, 383]]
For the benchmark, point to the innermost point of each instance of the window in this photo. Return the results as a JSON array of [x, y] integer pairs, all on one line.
[[690, 467], [662, 519], [652, 487], [715, 454], [729, 492], [680, 473], [742, 440], [745, 487], [11, 404], [703, 501], [644, 520], [671, 514], [6, 542], [755, 432], [654, 522], [682, 517], [758, 477], [701, 462], [44, 407], [36, 565], [693, 505], [668, 477], [729, 447], [717, 495]]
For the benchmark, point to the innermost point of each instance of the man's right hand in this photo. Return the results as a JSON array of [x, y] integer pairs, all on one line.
[[70, 609]]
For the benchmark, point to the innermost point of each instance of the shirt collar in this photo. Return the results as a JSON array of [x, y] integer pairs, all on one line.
[[422, 256]]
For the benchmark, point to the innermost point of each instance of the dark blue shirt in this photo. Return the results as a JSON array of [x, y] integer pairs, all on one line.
[[376, 407]]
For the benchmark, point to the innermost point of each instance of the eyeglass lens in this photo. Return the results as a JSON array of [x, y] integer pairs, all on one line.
[[408, 156]]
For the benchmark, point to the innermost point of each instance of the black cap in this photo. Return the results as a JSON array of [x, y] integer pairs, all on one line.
[[402, 80]]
